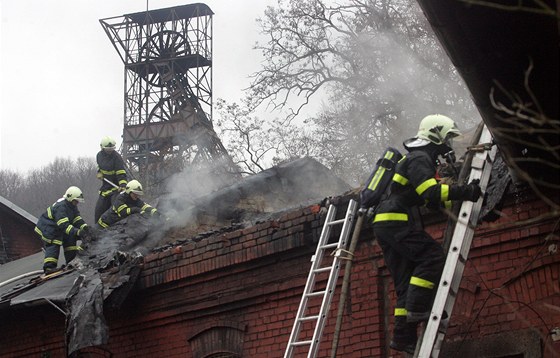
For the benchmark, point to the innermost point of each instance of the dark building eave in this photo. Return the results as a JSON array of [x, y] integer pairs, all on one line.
[[508, 55], [27, 218]]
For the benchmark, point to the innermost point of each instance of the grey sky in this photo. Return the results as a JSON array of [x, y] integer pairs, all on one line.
[[61, 80]]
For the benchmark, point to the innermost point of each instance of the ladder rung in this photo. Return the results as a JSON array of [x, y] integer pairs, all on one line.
[[314, 294], [301, 343], [335, 222], [452, 293], [434, 332], [308, 318], [318, 319]]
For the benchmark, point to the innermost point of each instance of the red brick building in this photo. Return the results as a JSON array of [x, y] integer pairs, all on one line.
[[17, 238], [235, 294]]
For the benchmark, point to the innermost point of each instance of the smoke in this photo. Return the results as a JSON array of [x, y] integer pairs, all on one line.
[[397, 79], [193, 182]]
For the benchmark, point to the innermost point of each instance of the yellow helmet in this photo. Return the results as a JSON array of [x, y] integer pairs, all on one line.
[[74, 193], [108, 143], [135, 187], [437, 129]]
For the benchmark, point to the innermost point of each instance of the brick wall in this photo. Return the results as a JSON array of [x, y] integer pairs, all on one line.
[[17, 237], [237, 293]]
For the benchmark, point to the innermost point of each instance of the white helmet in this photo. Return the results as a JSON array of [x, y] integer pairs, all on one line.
[[74, 193], [135, 187], [437, 129], [108, 143]]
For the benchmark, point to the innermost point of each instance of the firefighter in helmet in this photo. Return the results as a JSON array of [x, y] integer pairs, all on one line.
[[413, 257], [125, 204], [111, 172], [62, 225]]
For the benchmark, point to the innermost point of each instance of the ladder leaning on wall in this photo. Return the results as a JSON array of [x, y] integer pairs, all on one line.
[[306, 315], [432, 338]]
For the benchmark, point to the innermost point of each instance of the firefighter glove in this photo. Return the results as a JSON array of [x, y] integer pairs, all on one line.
[[472, 191], [122, 188], [99, 175]]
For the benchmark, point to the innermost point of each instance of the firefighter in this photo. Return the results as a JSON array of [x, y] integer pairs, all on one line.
[[62, 225], [125, 204], [111, 172], [415, 260]]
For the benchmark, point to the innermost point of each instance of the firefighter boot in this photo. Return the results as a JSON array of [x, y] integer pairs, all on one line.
[[404, 335]]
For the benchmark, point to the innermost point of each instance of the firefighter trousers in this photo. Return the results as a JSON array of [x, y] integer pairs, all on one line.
[[415, 261], [52, 251], [103, 203]]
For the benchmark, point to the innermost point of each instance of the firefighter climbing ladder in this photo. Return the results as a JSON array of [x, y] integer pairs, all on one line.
[[436, 327], [326, 294]]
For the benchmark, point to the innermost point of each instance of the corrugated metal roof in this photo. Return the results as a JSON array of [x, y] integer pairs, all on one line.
[[54, 290]]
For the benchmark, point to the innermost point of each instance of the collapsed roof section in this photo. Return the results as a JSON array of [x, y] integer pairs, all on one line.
[[288, 185]]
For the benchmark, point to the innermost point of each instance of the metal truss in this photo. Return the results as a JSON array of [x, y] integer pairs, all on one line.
[[167, 55]]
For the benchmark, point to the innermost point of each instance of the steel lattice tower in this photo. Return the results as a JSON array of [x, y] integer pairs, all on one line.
[[167, 55]]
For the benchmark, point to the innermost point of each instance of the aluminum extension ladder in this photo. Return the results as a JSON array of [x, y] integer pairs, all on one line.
[[434, 333], [304, 315]]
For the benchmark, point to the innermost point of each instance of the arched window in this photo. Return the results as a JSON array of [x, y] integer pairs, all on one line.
[[218, 340]]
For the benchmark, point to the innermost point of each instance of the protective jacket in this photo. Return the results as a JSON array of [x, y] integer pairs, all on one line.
[[122, 207], [413, 257], [111, 166], [414, 185], [61, 218]]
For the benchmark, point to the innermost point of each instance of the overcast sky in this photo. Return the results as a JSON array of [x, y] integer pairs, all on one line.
[[62, 82]]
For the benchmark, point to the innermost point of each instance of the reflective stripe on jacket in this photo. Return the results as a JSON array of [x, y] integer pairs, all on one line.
[[122, 207], [414, 185], [61, 218], [111, 165]]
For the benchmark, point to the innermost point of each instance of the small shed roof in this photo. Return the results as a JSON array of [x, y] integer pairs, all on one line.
[[5, 204]]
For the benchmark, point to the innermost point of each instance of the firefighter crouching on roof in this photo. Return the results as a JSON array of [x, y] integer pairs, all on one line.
[[62, 225], [125, 204], [110, 170], [413, 257]]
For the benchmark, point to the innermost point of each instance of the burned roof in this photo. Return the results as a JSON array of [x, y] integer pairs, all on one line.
[[292, 184], [104, 274]]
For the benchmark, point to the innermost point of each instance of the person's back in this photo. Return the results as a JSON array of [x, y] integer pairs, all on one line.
[[126, 204], [111, 172], [413, 257], [61, 225]]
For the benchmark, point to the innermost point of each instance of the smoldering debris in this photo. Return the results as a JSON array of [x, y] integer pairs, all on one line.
[[85, 322], [108, 267], [288, 185], [498, 185]]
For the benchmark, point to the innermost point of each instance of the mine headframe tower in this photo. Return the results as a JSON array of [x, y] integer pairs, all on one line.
[[167, 55]]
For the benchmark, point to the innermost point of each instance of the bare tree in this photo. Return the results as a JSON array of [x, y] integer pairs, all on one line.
[[523, 122], [11, 184], [255, 144], [376, 62], [41, 187]]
